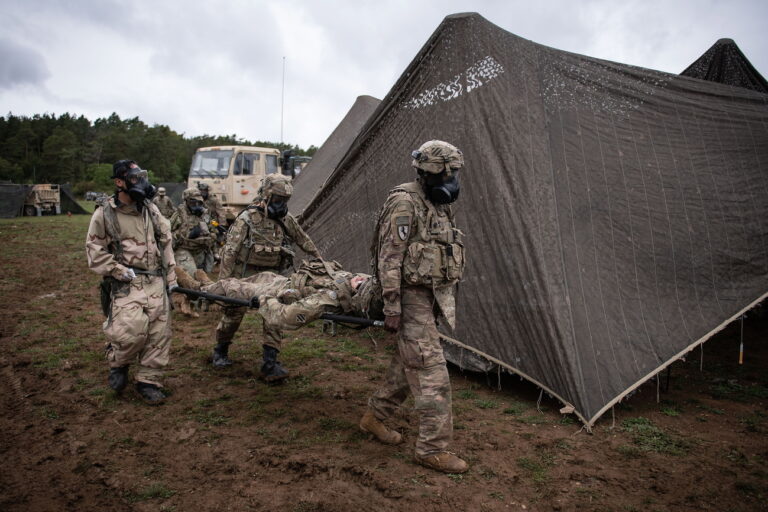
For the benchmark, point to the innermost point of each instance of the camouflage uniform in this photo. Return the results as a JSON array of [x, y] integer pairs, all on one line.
[[212, 203], [139, 323], [419, 260], [255, 244], [164, 203], [288, 303], [197, 252]]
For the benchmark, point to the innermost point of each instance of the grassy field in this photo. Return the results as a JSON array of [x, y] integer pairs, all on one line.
[[226, 441]]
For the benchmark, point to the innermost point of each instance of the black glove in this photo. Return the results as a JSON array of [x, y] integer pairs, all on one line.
[[195, 232]]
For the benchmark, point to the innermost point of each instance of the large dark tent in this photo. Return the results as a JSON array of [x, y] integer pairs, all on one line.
[[68, 202], [724, 63], [616, 217], [12, 199], [328, 156]]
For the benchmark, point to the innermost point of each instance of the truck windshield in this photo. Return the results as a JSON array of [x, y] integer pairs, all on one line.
[[211, 163]]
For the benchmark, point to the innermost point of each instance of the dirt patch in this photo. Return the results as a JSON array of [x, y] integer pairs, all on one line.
[[226, 441]]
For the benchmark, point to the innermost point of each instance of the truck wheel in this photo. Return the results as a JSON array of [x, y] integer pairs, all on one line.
[[30, 211]]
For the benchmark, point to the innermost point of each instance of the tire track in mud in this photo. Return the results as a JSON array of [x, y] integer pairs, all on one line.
[[10, 384]]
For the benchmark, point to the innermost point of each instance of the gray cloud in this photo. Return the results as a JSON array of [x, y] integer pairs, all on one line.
[[20, 65]]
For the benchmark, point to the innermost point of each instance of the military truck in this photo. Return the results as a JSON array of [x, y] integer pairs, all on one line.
[[234, 173], [43, 200]]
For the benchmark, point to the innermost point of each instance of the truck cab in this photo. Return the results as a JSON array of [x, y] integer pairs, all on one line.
[[233, 173]]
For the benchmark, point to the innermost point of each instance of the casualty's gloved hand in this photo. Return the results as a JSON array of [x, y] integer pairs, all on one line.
[[195, 232], [392, 323]]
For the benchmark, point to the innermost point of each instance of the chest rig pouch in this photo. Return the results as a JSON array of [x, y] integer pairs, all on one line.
[[435, 254], [261, 247]]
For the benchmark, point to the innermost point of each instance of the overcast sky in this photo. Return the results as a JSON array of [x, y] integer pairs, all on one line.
[[216, 67]]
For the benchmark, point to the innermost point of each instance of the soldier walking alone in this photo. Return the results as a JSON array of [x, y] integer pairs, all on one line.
[[419, 258]]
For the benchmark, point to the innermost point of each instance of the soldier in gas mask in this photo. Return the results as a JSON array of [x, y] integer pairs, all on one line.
[[129, 243], [257, 243], [212, 203], [419, 258], [192, 239]]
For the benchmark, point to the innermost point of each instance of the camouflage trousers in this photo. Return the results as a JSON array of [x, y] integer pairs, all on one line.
[[192, 260], [419, 367], [233, 316], [139, 328]]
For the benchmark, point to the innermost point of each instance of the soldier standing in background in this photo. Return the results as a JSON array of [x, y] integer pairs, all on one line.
[[213, 204], [419, 258], [164, 203], [256, 243], [129, 243]]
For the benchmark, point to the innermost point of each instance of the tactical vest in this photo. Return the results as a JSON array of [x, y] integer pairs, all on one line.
[[261, 247], [113, 230], [313, 276], [435, 253]]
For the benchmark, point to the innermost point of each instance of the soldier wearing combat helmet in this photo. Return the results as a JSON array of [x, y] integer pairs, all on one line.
[[164, 203], [257, 242], [419, 258], [212, 203]]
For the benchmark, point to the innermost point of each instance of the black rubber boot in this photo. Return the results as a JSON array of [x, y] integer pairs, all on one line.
[[151, 394], [220, 357], [271, 370], [118, 378]]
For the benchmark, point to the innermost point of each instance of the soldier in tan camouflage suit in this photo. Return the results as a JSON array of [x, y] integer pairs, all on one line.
[[164, 203], [420, 258], [192, 240], [129, 242], [212, 203], [256, 243]]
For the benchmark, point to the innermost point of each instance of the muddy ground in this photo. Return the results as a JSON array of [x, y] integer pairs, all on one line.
[[226, 441]]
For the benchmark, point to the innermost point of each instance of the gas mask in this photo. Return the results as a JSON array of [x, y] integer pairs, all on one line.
[[441, 188], [277, 208], [138, 185], [195, 207]]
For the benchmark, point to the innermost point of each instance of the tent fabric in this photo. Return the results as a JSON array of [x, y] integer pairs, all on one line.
[[12, 199], [327, 157], [615, 217], [725, 63], [68, 202]]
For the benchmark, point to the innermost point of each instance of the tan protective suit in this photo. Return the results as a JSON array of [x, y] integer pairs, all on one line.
[[138, 327]]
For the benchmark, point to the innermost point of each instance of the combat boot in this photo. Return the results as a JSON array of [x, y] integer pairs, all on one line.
[[272, 370], [151, 394], [202, 278], [220, 357], [443, 461], [118, 378], [371, 424]]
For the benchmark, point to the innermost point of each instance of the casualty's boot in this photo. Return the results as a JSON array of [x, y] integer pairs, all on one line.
[[220, 357], [371, 424], [185, 280], [118, 378], [151, 394], [443, 461], [202, 278], [271, 370]]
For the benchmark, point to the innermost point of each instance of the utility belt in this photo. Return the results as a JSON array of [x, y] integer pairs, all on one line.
[[111, 288]]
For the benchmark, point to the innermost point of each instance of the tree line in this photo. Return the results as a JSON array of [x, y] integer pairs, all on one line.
[[71, 149]]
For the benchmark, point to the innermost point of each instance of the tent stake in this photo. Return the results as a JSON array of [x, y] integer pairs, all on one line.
[[538, 402]]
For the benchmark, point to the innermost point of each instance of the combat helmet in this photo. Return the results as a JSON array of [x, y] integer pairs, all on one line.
[[436, 156], [276, 184], [191, 193]]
